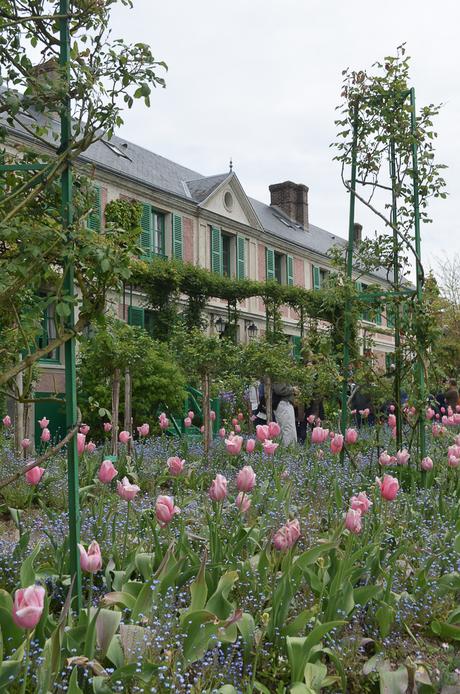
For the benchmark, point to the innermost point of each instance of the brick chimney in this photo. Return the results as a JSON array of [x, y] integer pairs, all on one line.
[[292, 199], [357, 233]]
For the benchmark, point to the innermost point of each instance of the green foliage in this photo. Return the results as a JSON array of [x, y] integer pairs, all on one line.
[[157, 381]]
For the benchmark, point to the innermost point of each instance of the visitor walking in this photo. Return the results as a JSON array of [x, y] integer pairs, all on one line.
[[283, 409]]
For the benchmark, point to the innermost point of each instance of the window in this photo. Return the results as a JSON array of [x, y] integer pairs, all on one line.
[[94, 220], [141, 318], [320, 276], [48, 334], [152, 238], [279, 267], [227, 255]]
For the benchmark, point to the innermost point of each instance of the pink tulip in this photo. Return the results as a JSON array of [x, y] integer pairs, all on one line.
[[240, 416], [364, 413], [437, 415], [84, 428], [281, 540], [388, 487], [107, 472], [287, 535], [337, 443], [274, 430], [45, 435], [234, 421], [91, 560], [212, 416], [457, 440], [143, 430], [222, 433], [107, 427], [436, 430], [90, 447], [175, 465], [233, 444], [243, 502], [311, 418], [126, 490], [250, 445], [25, 443], [246, 479], [187, 422], [165, 510], [43, 422], [34, 475], [392, 420], [293, 529], [164, 423], [392, 408], [402, 457], [28, 606], [81, 439], [6, 421], [430, 413], [443, 410], [393, 433], [319, 435], [269, 447], [361, 503], [426, 464], [218, 488], [386, 459], [453, 461], [353, 521], [124, 436], [237, 428], [190, 414], [262, 432], [454, 450], [351, 436]]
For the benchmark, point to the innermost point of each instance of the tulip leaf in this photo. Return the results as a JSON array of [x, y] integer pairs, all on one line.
[[299, 623], [218, 603], [115, 652], [73, 687], [119, 598], [363, 594], [394, 681], [311, 555], [9, 671], [199, 589], [227, 689], [27, 569], [199, 628], [385, 616], [132, 638], [247, 628], [144, 562], [106, 627], [445, 630], [12, 634], [299, 648]]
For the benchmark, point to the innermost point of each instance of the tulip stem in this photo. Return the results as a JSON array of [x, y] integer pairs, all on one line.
[[26, 667], [90, 594], [125, 541]]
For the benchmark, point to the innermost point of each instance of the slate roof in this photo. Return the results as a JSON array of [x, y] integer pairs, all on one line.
[[201, 188], [125, 158]]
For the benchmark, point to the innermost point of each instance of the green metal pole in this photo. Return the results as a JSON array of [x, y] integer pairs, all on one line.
[[70, 372], [397, 315], [419, 283], [347, 327]]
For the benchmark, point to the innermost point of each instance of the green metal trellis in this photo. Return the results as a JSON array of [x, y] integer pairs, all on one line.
[[70, 371], [398, 291]]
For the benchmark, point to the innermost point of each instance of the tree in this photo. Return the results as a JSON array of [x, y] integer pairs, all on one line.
[[114, 351], [106, 75]]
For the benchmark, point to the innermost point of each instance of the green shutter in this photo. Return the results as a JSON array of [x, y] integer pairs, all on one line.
[[177, 237], [316, 277], [145, 240], [95, 216], [216, 251], [378, 317], [136, 316], [240, 257], [297, 347], [389, 357], [290, 269], [390, 316], [269, 264]]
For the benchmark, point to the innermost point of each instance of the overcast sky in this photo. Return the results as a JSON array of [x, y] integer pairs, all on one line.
[[258, 81]]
